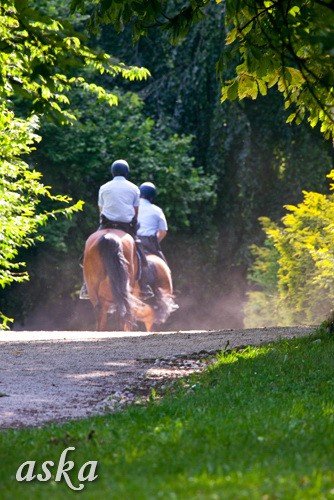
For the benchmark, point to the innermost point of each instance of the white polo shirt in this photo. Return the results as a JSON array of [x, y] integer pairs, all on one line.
[[151, 219], [117, 199]]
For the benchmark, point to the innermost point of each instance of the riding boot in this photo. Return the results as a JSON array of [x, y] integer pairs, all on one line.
[[84, 292], [146, 291]]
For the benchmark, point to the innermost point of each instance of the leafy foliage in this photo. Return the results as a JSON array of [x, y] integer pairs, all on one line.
[[89, 147], [21, 192], [288, 45], [295, 269], [177, 17], [40, 61], [243, 161], [274, 43], [38, 57], [78, 158]]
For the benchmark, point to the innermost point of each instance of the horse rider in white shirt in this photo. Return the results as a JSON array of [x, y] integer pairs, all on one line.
[[118, 202], [152, 221]]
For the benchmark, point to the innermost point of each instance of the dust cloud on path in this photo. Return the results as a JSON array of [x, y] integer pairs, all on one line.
[[57, 376]]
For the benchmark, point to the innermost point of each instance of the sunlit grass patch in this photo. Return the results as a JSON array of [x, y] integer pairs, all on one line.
[[258, 424]]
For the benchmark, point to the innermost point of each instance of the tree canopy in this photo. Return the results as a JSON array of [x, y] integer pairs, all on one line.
[[282, 43], [218, 166], [41, 59]]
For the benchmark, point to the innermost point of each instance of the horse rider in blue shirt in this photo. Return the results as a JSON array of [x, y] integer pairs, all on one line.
[[152, 221]]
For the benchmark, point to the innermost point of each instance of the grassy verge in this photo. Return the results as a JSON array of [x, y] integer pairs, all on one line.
[[257, 425]]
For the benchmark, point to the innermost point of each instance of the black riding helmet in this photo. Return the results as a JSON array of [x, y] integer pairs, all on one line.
[[120, 167], [148, 190]]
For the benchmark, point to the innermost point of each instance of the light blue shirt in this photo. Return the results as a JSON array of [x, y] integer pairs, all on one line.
[[151, 219], [117, 199]]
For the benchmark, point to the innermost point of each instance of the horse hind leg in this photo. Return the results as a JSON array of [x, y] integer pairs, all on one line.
[[149, 321], [145, 314], [124, 326], [101, 314]]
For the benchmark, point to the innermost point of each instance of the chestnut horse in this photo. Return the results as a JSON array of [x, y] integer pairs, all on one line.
[[111, 272]]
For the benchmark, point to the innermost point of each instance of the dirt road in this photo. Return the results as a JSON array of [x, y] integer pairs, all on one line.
[[56, 376]]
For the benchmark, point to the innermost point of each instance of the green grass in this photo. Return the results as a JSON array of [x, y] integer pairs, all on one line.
[[257, 425]]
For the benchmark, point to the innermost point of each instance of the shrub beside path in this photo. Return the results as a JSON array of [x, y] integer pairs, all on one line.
[[56, 376]]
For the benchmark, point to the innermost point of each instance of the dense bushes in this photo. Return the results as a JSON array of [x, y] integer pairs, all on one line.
[[294, 269]]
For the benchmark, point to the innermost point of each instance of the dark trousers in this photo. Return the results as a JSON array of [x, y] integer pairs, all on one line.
[[152, 245]]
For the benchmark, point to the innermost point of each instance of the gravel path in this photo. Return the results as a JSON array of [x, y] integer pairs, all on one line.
[[57, 376]]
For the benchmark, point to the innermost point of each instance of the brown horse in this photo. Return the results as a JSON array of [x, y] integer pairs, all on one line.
[[111, 271]]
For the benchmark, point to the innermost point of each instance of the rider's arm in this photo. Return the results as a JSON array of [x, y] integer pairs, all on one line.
[[136, 212], [161, 234]]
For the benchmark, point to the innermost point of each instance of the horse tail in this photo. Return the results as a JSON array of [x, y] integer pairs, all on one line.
[[112, 256]]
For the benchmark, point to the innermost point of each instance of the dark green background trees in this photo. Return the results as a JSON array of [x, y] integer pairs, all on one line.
[[218, 167]]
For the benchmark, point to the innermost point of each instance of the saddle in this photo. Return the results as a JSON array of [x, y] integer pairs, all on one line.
[[127, 227]]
